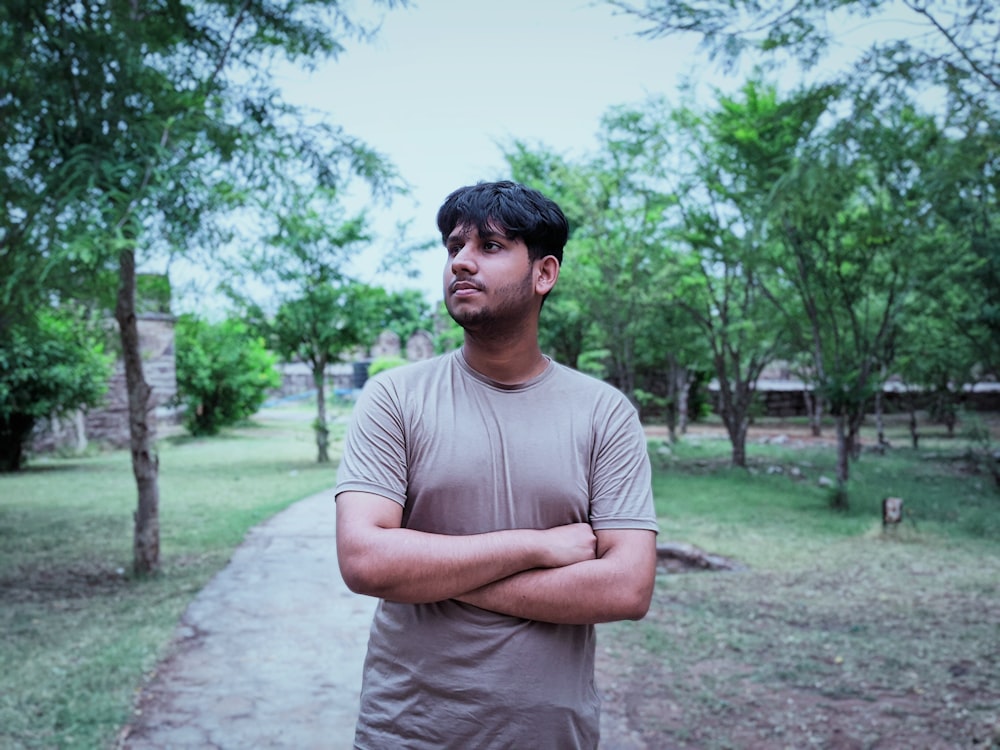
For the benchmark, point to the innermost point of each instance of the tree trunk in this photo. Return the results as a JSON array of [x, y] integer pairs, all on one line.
[[145, 463], [854, 422], [15, 432], [880, 418], [683, 402], [672, 393], [739, 441], [737, 423], [914, 431], [322, 432], [814, 410], [840, 500]]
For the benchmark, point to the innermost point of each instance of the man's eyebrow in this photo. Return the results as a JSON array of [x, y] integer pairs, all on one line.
[[458, 233], [463, 233]]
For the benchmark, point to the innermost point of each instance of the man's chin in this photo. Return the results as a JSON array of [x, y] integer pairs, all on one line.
[[470, 320]]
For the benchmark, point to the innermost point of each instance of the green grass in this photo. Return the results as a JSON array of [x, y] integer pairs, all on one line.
[[78, 632], [830, 609], [838, 633]]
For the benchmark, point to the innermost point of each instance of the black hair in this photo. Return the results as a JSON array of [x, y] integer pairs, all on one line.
[[514, 210]]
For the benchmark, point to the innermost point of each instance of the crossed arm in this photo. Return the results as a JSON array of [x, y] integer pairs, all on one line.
[[567, 574]]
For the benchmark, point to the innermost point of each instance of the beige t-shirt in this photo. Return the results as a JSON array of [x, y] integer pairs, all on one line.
[[465, 455]]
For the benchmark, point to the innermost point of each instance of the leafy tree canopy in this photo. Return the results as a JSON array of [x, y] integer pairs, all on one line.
[[950, 42]]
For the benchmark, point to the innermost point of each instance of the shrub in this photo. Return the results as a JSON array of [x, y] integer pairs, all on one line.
[[223, 373], [50, 365], [384, 363]]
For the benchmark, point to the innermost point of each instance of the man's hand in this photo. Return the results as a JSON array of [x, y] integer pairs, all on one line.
[[565, 545], [617, 585]]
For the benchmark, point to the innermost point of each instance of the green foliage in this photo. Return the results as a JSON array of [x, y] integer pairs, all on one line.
[[407, 312], [380, 364], [327, 323], [594, 362], [448, 335], [953, 45], [51, 364], [152, 293], [223, 373], [131, 130], [611, 290]]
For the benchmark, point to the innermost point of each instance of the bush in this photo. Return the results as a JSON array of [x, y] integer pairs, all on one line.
[[50, 365], [384, 363], [223, 373]]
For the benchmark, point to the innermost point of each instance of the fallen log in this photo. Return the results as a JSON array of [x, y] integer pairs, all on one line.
[[678, 557]]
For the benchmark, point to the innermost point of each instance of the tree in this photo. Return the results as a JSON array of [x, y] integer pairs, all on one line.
[[962, 178], [407, 312], [850, 218], [327, 322], [948, 42], [130, 126], [322, 313], [50, 365], [728, 159], [613, 204], [223, 373]]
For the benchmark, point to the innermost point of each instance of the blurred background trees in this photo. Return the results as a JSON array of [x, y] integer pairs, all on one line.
[[841, 218]]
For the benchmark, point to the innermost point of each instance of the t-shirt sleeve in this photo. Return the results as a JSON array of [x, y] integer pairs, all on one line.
[[621, 478], [374, 457]]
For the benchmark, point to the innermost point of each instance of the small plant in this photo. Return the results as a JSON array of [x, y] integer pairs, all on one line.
[[838, 498]]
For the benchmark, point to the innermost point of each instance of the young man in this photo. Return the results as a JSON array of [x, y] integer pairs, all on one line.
[[498, 503]]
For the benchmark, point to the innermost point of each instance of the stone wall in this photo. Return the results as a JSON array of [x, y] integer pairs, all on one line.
[[109, 424], [786, 397]]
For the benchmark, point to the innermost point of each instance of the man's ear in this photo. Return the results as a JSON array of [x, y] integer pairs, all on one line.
[[546, 274]]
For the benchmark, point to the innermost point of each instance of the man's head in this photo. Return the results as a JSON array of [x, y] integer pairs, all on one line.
[[505, 243], [510, 209]]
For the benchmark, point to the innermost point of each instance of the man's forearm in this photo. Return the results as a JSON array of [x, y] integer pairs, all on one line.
[[379, 558], [618, 586], [416, 567]]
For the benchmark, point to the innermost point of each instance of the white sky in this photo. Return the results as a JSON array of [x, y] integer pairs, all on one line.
[[447, 83]]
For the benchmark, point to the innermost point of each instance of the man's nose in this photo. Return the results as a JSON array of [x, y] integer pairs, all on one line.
[[462, 260]]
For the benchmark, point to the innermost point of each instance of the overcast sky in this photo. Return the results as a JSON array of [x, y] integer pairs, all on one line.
[[447, 83]]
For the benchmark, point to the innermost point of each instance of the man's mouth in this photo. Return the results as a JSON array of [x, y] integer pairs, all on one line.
[[462, 288]]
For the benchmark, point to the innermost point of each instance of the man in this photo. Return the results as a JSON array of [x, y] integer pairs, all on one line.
[[498, 503]]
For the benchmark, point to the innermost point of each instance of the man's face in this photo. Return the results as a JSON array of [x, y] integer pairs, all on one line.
[[488, 280]]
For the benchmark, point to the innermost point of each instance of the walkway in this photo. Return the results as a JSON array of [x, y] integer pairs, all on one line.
[[269, 654]]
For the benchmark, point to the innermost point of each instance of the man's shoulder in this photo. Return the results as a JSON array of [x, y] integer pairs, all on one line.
[[581, 382]]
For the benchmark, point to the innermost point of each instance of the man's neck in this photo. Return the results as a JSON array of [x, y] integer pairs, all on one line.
[[507, 362]]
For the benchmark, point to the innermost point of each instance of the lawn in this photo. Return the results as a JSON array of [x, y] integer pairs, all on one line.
[[835, 633], [78, 631]]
